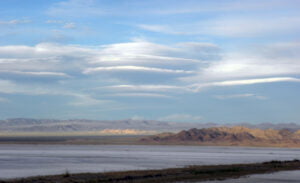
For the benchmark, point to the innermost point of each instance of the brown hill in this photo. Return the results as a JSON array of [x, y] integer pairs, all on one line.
[[238, 135]]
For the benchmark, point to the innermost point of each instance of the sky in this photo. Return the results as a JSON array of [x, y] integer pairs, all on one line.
[[191, 61]]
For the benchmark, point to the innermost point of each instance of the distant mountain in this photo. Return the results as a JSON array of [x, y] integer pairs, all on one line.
[[83, 125], [20, 125], [238, 135]]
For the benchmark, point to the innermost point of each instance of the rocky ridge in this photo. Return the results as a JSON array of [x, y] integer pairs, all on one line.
[[238, 135]]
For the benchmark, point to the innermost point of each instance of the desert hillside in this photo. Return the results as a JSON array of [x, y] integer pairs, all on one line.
[[238, 135]]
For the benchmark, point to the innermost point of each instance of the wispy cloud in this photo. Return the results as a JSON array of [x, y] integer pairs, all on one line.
[[199, 87], [181, 118], [135, 51], [255, 81], [43, 60], [79, 99], [135, 95], [54, 60], [160, 28], [76, 8], [153, 88], [82, 100], [15, 22], [69, 25], [245, 95], [274, 60], [135, 68], [64, 24], [242, 26], [145, 52], [35, 74], [54, 22], [251, 26]]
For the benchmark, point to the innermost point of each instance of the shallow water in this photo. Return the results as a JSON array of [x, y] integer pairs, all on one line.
[[31, 160], [278, 177]]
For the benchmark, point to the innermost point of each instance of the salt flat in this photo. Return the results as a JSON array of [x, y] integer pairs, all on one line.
[[30, 160]]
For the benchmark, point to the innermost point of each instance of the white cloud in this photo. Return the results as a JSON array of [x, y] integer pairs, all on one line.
[[245, 95], [251, 68], [159, 28], [132, 56], [255, 81], [69, 25], [67, 62], [144, 52], [133, 51], [276, 60], [54, 22], [44, 60], [181, 118], [151, 95], [152, 88], [135, 68], [37, 74], [200, 86], [139, 58], [15, 22], [79, 64], [44, 50]]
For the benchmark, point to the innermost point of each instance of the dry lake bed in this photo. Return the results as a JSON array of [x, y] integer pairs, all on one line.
[[32, 160]]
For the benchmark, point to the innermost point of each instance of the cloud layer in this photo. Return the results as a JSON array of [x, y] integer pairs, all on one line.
[[187, 63], [88, 58]]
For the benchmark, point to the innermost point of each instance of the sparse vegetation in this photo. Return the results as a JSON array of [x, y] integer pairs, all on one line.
[[66, 174]]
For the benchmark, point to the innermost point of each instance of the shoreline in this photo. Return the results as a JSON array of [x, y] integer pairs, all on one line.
[[189, 173], [121, 140]]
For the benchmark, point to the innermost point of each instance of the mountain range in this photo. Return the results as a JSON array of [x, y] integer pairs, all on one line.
[[237, 136], [126, 126]]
